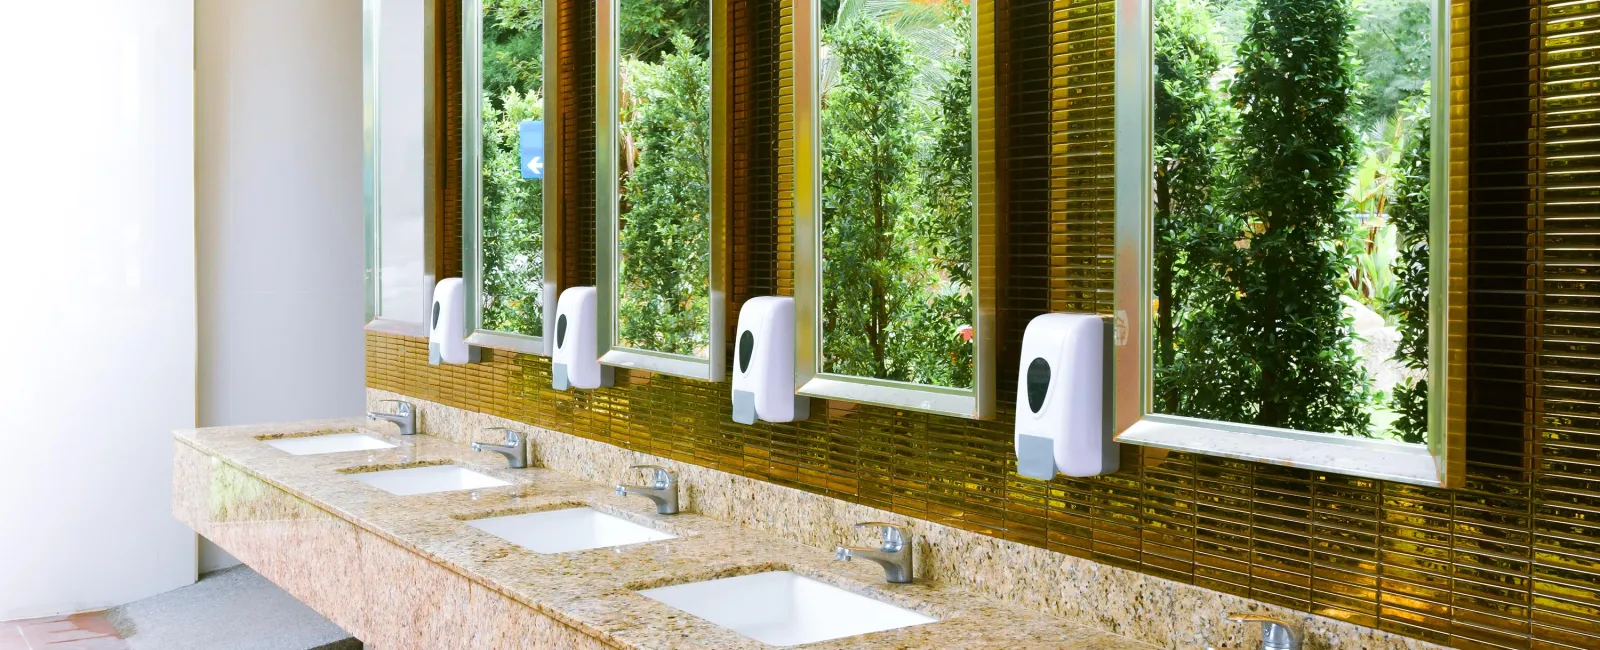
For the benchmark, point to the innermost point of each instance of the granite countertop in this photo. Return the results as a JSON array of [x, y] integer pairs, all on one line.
[[593, 591]]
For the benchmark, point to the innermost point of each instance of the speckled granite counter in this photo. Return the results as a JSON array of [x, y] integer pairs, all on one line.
[[407, 571]]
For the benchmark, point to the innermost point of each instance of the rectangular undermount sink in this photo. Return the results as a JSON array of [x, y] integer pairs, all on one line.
[[571, 529], [329, 444], [433, 478], [782, 608]]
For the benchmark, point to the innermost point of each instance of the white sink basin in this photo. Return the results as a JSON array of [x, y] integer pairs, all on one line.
[[782, 608], [329, 444], [572, 529], [434, 478]]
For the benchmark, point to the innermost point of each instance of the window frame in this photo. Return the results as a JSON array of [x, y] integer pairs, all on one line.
[[472, 184], [371, 169], [1441, 461], [607, 191], [977, 402]]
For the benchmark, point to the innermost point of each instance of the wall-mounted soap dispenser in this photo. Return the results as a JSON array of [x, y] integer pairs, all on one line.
[[447, 326], [1063, 418], [576, 359], [763, 363]]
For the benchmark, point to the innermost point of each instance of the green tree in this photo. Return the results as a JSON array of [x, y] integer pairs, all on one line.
[[664, 272], [648, 28], [513, 47], [1393, 55], [1409, 298], [513, 220], [869, 183], [939, 311], [1186, 121], [1288, 171]]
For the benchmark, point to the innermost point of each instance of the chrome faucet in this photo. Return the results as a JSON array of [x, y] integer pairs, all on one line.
[[663, 490], [1275, 634], [405, 415], [514, 450], [894, 555]]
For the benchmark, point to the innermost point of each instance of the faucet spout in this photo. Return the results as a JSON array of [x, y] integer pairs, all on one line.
[[514, 450], [404, 416], [894, 555], [663, 491]]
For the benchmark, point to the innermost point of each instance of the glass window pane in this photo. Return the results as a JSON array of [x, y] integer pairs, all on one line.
[[511, 209], [664, 176], [1291, 191], [402, 278], [897, 205]]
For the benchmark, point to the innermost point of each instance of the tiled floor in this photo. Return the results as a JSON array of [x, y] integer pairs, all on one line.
[[76, 632]]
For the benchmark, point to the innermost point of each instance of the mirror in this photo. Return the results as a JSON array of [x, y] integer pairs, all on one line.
[[400, 258], [511, 141], [1292, 235], [895, 218], [661, 236]]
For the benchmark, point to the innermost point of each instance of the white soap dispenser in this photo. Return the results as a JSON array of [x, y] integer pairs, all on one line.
[[1063, 419], [576, 359], [763, 363], [447, 326]]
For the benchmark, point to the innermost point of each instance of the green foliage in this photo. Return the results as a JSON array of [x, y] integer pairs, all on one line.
[[513, 222], [1393, 50], [512, 207], [664, 271], [940, 310], [1409, 299], [1188, 115], [868, 169], [1268, 267], [648, 27], [513, 47], [898, 192]]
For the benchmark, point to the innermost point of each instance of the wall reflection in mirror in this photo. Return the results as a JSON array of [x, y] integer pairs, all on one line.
[[664, 140], [1291, 189], [897, 192], [511, 213]]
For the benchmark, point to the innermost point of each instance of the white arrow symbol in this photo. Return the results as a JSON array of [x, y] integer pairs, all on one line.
[[536, 165]]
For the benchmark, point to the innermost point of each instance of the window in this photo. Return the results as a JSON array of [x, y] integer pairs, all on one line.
[[661, 233], [511, 142], [1283, 241], [895, 218]]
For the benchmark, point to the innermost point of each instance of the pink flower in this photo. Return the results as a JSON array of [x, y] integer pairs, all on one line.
[[966, 333]]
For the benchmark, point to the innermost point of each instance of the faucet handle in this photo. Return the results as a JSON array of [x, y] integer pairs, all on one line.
[[663, 477], [403, 408], [1275, 634], [513, 437], [894, 536]]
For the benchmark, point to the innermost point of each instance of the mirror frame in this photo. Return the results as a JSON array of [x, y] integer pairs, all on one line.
[[977, 402], [472, 182], [371, 179], [1441, 462], [607, 237]]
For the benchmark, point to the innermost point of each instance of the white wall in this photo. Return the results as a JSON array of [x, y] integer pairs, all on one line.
[[278, 212], [98, 319]]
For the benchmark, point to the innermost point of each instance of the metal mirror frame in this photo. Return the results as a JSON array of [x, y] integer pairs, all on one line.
[[607, 255], [472, 182], [977, 402], [371, 179], [1441, 462]]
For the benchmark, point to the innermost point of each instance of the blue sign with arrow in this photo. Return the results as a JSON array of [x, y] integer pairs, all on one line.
[[530, 134]]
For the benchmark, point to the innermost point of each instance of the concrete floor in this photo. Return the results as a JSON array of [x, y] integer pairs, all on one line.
[[231, 609]]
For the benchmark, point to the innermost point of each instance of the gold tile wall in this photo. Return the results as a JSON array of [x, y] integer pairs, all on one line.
[[1512, 560]]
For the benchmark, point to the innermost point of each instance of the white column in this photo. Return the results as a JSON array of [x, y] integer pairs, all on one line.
[[278, 212], [98, 313]]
